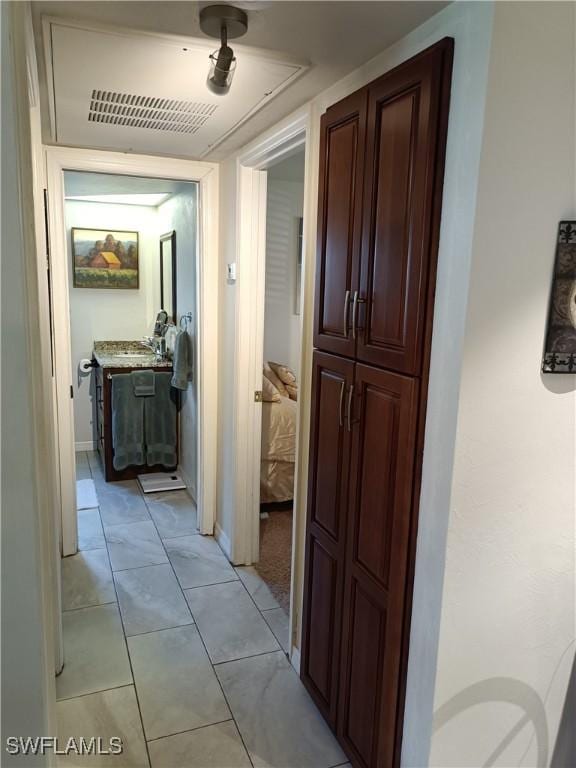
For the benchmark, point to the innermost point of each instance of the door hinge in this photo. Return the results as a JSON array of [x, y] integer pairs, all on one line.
[[71, 391], [258, 396]]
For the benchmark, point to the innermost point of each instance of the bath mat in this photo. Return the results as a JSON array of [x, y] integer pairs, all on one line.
[[86, 497]]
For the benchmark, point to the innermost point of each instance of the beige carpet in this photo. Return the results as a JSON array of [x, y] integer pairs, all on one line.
[[276, 553]]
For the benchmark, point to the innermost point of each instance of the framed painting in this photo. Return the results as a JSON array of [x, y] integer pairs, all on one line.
[[104, 258], [560, 345]]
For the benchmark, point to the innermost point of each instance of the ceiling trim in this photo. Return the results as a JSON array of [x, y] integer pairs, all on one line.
[[284, 142], [300, 66]]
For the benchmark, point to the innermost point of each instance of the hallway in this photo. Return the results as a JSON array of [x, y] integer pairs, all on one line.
[[171, 649]]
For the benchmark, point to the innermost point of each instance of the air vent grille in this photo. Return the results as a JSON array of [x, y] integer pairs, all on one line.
[[154, 113]]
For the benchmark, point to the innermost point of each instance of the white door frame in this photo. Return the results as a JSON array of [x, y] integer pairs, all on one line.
[[59, 159], [249, 343]]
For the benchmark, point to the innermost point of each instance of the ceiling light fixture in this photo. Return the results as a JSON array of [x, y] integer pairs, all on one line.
[[224, 22]]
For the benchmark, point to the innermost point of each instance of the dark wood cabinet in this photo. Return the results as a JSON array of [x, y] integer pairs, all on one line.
[[327, 501], [381, 170], [384, 420], [343, 134], [397, 249], [381, 160]]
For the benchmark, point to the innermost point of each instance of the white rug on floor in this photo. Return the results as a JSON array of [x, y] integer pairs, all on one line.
[[86, 497]]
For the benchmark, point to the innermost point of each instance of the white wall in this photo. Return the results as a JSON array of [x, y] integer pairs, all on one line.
[[28, 693], [285, 202], [179, 213], [107, 314], [227, 359], [507, 640]]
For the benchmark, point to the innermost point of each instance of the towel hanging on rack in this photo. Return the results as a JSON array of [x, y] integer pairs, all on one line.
[[183, 358]]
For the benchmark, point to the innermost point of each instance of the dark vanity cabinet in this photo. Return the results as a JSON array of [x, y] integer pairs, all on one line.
[[103, 403]]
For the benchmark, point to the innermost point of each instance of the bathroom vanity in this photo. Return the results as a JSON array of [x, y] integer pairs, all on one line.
[[117, 357]]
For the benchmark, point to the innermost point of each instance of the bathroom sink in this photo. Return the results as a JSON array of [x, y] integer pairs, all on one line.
[[135, 354]]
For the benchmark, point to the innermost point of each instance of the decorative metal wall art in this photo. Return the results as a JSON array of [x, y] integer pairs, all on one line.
[[560, 346]]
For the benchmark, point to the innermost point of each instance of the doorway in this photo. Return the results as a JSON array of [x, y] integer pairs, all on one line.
[[281, 376], [130, 169], [255, 169], [132, 247]]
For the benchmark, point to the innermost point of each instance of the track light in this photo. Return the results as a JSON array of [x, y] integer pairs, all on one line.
[[224, 22]]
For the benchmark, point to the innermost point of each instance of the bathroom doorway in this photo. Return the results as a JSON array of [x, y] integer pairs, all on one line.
[[132, 245], [129, 237]]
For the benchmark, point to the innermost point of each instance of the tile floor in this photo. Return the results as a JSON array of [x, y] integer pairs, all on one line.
[[173, 650]]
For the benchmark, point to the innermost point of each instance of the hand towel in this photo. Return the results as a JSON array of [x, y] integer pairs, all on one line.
[[143, 382], [182, 365], [127, 423], [160, 415]]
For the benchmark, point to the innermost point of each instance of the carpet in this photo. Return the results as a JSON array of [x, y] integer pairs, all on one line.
[[86, 497], [276, 553]]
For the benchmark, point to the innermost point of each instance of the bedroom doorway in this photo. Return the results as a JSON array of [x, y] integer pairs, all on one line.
[[280, 378], [274, 324]]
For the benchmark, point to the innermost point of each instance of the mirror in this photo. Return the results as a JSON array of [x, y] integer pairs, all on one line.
[[168, 274]]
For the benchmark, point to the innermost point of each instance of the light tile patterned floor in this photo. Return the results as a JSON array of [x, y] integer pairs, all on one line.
[[173, 650]]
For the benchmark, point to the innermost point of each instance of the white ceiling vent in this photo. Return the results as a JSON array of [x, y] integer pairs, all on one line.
[[151, 112], [151, 94]]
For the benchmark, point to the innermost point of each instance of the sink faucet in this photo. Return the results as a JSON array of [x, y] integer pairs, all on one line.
[[155, 344], [149, 342]]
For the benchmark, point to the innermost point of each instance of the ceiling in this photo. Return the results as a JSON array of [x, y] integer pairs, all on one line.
[[131, 190], [333, 38]]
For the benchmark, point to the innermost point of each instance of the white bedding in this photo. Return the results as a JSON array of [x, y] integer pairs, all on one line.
[[279, 430], [278, 451]]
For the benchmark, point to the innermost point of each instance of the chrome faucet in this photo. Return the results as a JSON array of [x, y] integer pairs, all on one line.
[[155, 343]]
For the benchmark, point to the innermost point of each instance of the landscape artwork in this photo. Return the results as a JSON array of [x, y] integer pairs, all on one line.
[[104, 258]]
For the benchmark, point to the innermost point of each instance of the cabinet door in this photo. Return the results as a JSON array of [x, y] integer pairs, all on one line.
[[339, 222], [380, 501], [326, 530], [407, 114]]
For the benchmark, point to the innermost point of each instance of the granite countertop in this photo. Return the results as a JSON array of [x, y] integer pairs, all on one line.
[[126, 354]]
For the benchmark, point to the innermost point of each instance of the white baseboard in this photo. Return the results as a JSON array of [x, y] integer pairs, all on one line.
[[223, 540], [295, 658], [90, 445]]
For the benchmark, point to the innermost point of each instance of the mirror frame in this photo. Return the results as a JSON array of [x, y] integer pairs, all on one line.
[[168, 237]]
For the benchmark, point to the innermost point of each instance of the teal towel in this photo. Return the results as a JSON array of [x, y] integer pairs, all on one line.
[[182, 364], [127, 423], [160, 415], [143, 382]]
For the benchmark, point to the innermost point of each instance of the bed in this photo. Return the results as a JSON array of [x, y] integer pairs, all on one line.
[[278, 451]]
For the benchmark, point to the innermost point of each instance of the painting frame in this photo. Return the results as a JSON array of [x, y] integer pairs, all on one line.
[[560, 340], [105, 259], [168, 266]]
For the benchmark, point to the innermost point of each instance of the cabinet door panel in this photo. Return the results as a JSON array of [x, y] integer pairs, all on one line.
[[339, 222], [379, 513], [398, 247], [326, 530]]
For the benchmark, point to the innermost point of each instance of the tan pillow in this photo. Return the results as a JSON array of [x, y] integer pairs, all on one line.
[[269, 392], [285, 374], [292, 391], [272, 377]]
